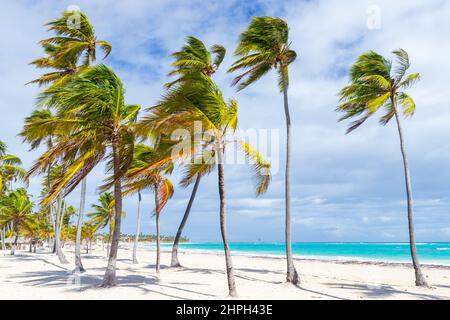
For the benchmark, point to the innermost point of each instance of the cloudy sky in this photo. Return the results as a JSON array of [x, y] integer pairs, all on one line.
[[345, 188]]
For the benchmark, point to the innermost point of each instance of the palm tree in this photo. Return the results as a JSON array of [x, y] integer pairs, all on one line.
[[374, 85], [102, 122], [263, 46], [194, 58], [63, 54], [138, 229], [36, 228], [74, 42], [103, 215], [200, 100], [10, 171], [137, 180], [89, 234], [15, 209]]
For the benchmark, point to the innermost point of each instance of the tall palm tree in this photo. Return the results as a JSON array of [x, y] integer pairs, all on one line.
[[137, 180], [374, 85], [138, 229], [102, 122], [72, 42], [15, 209], [200, 100], [263, 46], [193, 58]]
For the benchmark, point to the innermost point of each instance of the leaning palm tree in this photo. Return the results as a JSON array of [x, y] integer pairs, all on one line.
[[15, 209], [102, 128], [136, 180], [193, 58], [75, 39], [200, 100], [44, 127], [263, 46], [375, 85]]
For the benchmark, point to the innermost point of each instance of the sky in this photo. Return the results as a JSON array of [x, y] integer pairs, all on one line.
[[344, 187]]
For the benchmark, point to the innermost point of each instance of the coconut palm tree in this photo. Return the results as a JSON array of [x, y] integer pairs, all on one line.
[[10, 171], [15, 209], [376, 84], [36, 229], [62, 69], [193, 58], [103, 215], [136, 181], [75, 39], [102, 128], [264, 46], [89, 234], [200, 100]]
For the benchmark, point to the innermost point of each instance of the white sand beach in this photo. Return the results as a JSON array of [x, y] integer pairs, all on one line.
[[40, 276]]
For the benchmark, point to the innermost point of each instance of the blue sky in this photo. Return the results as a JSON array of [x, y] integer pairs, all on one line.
[[345, 188]]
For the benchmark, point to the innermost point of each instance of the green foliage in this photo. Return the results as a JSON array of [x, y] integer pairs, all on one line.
[[263, 46], [194, 58], [375, 85], [94, 102]]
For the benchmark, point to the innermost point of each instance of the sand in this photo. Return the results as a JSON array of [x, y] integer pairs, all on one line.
[[40, 276]]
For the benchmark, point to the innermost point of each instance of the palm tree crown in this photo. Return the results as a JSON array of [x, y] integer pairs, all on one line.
[[195, 58], [77, 40], [262, 46], [376, 85]]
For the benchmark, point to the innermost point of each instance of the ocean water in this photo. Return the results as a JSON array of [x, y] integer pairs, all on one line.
[[429, 253]]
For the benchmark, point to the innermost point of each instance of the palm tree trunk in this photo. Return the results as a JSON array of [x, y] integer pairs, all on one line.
[[138, 229], [108, 241], [109, 279], [420, 279], [223, 225], [158, 242], [174, 261], [291, 275], [14, 245], [59, 252], [78, 264], [3, 235]]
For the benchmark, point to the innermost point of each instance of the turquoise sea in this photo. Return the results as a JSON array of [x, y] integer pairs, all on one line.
[[429, 253]]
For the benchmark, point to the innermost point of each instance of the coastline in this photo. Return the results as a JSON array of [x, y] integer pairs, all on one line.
[[332, 259], [41, 276]]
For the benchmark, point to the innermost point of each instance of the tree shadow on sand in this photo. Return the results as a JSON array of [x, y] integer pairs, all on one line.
[[82, 282], [383, 291]]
